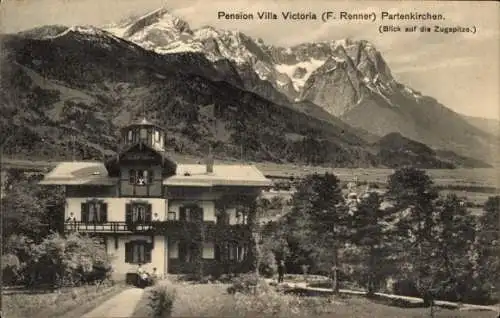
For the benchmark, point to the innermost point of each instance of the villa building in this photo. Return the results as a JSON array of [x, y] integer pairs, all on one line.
[[153, 211]]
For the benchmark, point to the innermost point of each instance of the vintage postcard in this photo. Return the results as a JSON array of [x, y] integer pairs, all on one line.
[[243, 158]]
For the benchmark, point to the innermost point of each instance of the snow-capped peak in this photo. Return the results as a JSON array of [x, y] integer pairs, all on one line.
[[287, 69]]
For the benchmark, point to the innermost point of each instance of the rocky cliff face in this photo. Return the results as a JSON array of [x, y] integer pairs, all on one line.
[[72, 88], [348, 79]]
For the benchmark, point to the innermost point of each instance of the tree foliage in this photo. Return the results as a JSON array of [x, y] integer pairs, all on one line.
[[29, 208], [371, 232], [318, 223], [59, 260], [488, 251]]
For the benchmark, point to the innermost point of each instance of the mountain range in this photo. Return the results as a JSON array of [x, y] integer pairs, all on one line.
[[68, 89]]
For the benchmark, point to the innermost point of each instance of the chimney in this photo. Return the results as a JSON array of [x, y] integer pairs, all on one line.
[[209, 161]]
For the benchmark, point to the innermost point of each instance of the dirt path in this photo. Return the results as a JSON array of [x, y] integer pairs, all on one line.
[[121, 305]]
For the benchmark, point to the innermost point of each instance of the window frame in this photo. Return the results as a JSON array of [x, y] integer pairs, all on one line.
[[169, 214], [210, 244], [133, 252], [131, 212], [145, 174], [98, 208]]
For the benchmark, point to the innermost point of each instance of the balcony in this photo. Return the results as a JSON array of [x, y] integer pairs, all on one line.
[[171, 227]]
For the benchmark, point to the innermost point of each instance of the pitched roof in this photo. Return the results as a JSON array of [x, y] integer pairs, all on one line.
[[223, 175], [79, 173], [189, 175]]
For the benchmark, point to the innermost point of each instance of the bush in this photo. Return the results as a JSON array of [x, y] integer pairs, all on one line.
[[161, 300], [245, 284], [72, 260], [268, 302], [267, 264]]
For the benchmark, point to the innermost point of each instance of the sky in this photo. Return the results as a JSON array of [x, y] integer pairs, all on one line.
[[460, 70]]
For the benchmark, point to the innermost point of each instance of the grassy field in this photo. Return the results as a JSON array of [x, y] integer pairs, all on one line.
[[442, 177], [212, 300]]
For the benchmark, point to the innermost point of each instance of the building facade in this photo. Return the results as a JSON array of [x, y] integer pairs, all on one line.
[[178, 218]]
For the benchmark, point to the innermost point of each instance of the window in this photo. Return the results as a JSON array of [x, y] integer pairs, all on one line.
[[157, 136], [236, 252], [140, 177], [223, 216], [208, 250], [138, 212], [138, 252], [173, 251], [94, 212], [130, 136], [188, 252], [171, 216], [241, 218], [144, 133], [190, 213], [236, 216]]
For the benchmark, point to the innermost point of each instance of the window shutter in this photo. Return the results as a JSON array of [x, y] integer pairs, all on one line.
[[128, 252], [148, 213], [104, 212], [182, 213], [150, 176], [131, 176], [128, 213], [147, 252], [84, 212]]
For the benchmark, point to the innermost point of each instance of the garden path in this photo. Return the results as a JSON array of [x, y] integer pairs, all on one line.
[[121, 305]]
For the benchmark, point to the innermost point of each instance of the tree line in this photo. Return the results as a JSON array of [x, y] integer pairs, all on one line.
[[429, 244]]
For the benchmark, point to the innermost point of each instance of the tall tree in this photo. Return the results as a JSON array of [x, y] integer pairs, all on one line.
[[413, 195], [371, 231], [455, 233], [318, 222], [488, 247]]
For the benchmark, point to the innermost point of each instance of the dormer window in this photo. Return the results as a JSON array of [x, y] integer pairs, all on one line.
[[140, 177]]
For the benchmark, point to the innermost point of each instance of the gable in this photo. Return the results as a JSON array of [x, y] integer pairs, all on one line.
[[141, 154]]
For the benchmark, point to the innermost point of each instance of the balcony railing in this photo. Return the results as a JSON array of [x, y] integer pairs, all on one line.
[[159, 227], [108, 227], [177, 228]]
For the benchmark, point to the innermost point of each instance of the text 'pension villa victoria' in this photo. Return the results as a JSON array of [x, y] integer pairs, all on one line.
[[152, 211]]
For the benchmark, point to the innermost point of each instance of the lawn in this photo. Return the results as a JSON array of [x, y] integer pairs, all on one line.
[[69, 302], [212, 300]]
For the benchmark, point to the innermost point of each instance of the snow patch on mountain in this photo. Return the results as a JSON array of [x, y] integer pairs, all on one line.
[[289, 70]]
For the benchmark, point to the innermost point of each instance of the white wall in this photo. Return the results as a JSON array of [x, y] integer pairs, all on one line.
[[116, 207], [120, 268], [208, 208]]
